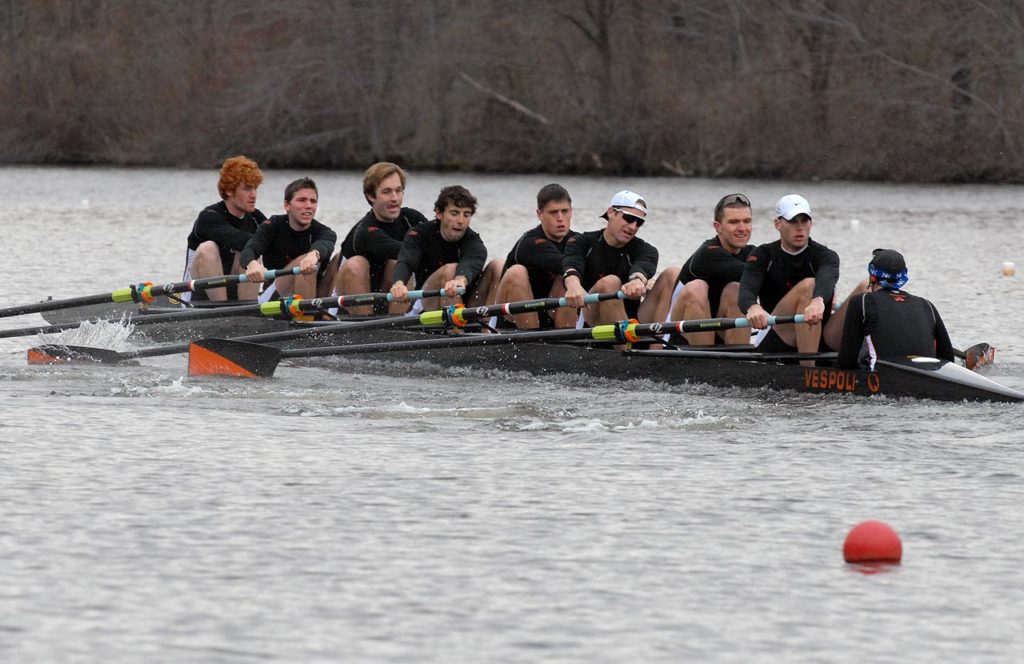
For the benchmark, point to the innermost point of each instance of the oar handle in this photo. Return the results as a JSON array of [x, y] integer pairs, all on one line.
[[270, 275], [421, 294]]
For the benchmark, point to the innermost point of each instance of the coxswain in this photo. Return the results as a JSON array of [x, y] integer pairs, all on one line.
[[293, 239], [445, 253], [369, 253], [221, 231], [887, 323], [533, 268], [709, 281]]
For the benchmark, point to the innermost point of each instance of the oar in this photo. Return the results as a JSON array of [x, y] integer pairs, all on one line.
[[144, 292], [287, 308], [232, 357], [977, 356], [455, 316]]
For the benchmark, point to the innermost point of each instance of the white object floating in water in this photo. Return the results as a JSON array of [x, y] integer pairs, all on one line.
[[1008, 269], [855, 224]]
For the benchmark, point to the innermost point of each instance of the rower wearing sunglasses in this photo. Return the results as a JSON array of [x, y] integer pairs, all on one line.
[[794, 275], [613, 259]]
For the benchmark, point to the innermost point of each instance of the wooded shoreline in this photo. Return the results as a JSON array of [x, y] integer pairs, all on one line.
[[927, 91]]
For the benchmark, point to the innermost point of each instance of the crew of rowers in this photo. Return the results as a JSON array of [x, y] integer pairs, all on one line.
[[395, 249]]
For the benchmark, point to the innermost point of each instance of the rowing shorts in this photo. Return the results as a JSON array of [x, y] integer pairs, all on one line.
[[190, 255], [675, 296]]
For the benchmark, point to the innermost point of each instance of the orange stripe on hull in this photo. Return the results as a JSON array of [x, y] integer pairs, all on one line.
[[37, 357], [203, 362]]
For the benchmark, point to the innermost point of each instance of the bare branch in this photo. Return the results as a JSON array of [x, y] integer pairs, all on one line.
[[497, 96]]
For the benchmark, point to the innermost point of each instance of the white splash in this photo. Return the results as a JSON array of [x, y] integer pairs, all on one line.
[[110, 335]]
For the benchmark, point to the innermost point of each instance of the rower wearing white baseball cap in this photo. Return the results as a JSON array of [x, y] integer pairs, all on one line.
[[793, 275], [613, 259]]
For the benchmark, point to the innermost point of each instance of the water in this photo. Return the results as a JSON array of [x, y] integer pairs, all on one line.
[[359, 511]]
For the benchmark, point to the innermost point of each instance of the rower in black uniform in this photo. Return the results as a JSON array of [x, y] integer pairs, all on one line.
[[887, 322], [222, 229], [533, 268], [294, 239], [793, 275], [369, 252], [708, 282], [446, 253], [613, 259]]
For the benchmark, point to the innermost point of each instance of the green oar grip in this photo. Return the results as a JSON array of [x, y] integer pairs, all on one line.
[[433, 318], [604, 333], [272, 308], [122, 295]]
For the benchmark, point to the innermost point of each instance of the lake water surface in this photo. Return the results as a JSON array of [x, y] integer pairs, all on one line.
[[367, 513]]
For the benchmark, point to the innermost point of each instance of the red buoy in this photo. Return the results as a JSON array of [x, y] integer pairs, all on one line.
[[872, 542]]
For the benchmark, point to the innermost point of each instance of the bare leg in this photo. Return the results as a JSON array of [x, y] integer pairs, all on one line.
[[692, 304], [436, 281], [609, 311], [247, 290], [303, 285], [728, 307], [564, 317], [205, 264], [486, 291], [388, 278], [515, 286], [834, 328], [806, 338], [354, 279], [658, 300], [326, 287]]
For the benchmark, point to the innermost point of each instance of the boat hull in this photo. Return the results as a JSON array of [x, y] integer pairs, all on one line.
[[923, 378]]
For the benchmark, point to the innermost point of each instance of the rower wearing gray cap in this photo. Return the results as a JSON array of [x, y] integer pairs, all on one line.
[[889, 323]]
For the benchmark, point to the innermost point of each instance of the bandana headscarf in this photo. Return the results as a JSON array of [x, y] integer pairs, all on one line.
[[889, 269]]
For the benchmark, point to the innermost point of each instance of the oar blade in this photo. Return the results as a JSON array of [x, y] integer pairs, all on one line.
[[63, 354], [226, 357], [979, 355]]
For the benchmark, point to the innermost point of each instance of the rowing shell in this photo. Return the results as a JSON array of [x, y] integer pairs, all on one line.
[[923, 378]]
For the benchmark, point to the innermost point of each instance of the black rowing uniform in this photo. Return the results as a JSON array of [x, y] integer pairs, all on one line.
[[891, 324], [424, 251], [541, 256], [716, 266], [591, 258], [279, 244], [379, 241], [770, 273], [228, 231]]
